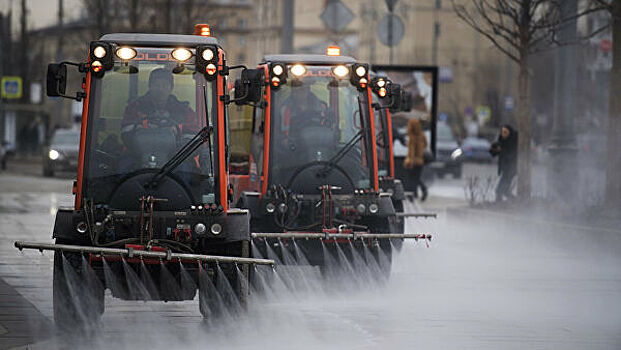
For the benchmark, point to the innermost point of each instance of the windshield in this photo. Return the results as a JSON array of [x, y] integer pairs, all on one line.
[[66, 138], [140, 114], [317, 128], [444, 132]]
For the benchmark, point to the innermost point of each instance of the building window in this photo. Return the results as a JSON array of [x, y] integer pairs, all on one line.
[[241, 23], [242, 40]]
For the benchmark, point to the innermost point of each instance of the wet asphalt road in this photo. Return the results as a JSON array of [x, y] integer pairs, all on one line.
[[488, 281]]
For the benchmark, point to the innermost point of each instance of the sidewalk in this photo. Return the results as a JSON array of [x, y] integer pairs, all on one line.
[[21, 323]]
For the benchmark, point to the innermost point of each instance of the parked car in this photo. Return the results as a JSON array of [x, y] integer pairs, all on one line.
[[449, 156], [476, 149], [62, 153]]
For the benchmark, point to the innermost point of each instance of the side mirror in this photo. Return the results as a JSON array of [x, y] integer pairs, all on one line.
[[406, 101], [394, 91], [248, 87], [56, 79]]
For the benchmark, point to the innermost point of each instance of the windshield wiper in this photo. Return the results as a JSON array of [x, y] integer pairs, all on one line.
[[204, 135], [182, 154], [340, 154]]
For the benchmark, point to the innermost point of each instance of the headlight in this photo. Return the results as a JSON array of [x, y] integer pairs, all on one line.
[[81, 227], [361, 208], [181, 54], [270, 207], [208, 54], [340, 71], [298, 70], [53, 154], [361, 71], [200, 228], [126, 53], [216, 229], [282, 207], [381, 83], [99, 52], [278, 69], [373, 208], [456, 153]]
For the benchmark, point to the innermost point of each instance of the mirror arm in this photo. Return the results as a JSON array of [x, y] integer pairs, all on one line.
[[82, 67], [225, 69]]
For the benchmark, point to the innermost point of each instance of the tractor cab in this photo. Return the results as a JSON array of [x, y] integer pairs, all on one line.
[[307, 161], [152, 189]]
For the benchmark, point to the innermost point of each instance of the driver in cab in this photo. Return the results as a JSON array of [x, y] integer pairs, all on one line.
[[302, 109], [158, 108], [154, 123]]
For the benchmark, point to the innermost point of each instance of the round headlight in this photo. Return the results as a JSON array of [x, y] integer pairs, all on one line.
[[278, 69], [381, 83], [216, 229], [99, 52], [340, 71], [270, 207], [200, 228], [456, 153], [126, 53], [361, 71], [282, 207], [382, 92], [275, 81], [208, 54], [81, 227], [373, 208], [53, 154], [181, 54], [361, 208], [298, 70]]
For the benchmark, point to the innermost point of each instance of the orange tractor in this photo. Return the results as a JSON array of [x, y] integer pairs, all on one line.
[[152, 190]]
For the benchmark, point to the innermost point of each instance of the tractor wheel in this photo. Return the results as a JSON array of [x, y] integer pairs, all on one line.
[[214, 306], [78, 299]]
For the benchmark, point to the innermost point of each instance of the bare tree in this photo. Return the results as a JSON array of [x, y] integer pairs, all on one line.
[[518, 28]]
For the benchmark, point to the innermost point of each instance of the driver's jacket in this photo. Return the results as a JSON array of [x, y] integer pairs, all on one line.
[[143, 113], [295, 115]]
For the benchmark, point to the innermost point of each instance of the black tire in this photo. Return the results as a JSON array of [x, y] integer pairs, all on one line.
[[399, 224], [209, 305], [77, 301]]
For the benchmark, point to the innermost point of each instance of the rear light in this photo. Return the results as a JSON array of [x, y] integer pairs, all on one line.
[[275, 81]]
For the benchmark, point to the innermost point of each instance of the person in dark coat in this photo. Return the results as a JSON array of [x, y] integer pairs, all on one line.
[[506, 148], [417, 143]]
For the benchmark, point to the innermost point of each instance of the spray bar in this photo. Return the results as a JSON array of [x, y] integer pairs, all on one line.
[[354, 235], [417, 215], [132, 253]]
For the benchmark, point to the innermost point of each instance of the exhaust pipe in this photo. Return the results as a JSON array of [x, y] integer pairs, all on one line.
[[353, 235], [133, 253]]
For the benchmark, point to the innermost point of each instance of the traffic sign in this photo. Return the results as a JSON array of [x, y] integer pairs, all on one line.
[[386, 25], [11, 87], [336, 16], [605, 45]]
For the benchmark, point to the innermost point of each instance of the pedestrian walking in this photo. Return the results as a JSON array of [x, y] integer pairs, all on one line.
[[506, 149], [417, 143]]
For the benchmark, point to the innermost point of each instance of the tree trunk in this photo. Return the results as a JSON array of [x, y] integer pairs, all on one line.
[[524, 130], [613, 146]]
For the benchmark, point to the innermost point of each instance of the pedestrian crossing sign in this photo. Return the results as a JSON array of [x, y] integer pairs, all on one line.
[[11, 87]]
